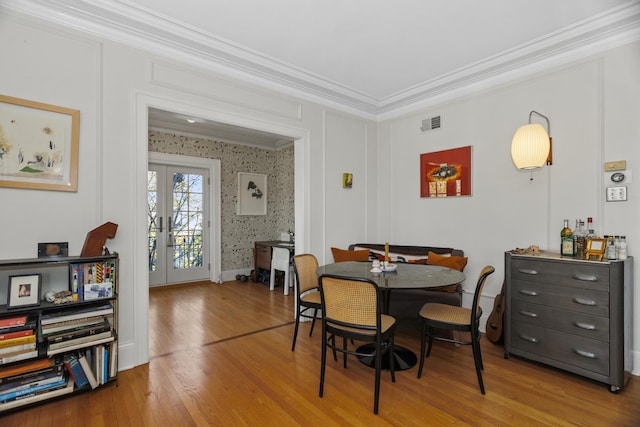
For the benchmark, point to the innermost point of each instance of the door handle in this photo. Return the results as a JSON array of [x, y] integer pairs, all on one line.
[[160, 229]]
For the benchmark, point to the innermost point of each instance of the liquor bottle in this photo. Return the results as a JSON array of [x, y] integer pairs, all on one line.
[[611, 248], [579, 239], [591, 232], [622, 250], [566, 240]]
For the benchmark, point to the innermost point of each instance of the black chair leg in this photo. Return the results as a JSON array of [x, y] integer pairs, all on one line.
[[478, 362], [313, 321], [323, 361], [392, 362], [344, 354], [378, 363], [295, 332], [422, 348]]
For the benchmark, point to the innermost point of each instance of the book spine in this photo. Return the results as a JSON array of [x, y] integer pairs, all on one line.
[[17, 357], [26, 376], [74, 281], [52, 352], [37, 397], [75, 370], [12, 395], [12, 321], [87, 371], [15, 341], [16, 348], [17, 334], [82, 340], [33, 382]]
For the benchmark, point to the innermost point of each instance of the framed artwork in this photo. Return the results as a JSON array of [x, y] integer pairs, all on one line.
[[38, 145], [24, 290], [347, 180], [446, 173], [252, 194]]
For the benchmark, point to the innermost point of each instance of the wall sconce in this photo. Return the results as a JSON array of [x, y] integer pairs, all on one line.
[[531, 145]]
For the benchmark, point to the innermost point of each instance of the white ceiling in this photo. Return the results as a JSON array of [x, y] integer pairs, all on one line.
[[372, 57]]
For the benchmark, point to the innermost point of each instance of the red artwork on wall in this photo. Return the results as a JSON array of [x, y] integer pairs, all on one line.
[[446, 173]]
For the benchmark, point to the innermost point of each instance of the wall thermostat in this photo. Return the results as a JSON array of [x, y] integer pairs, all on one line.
[[618, 177]]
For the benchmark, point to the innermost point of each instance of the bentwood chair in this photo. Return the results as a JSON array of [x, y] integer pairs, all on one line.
[[434, 317], [352, 309], [307, 291]]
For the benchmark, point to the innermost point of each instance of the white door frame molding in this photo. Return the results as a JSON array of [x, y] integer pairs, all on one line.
[[144, 101]]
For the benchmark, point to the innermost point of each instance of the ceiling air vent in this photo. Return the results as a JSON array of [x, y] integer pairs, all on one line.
[[430, 124]]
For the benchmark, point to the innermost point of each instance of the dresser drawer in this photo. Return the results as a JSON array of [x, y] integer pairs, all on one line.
[[586, 325], [566, 297], [574, 274], [564, 348]]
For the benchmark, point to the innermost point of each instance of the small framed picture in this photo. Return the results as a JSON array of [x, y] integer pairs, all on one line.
[[595, 248], [24, 290]]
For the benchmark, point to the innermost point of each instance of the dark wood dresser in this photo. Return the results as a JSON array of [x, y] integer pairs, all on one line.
[[572, 314]]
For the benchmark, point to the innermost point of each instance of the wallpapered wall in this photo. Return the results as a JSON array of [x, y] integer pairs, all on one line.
[[240, 232]]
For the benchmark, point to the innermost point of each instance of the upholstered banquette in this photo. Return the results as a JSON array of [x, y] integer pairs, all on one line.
[[407, 303]]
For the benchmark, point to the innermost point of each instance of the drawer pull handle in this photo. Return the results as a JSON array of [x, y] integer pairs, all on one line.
[[586, 354], [528, 313], [585, 277], [528, 292], [528, 338], [586, 326], [528, 271], [583, 301]]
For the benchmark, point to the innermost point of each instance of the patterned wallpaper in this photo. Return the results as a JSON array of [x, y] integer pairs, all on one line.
[[240, 232]]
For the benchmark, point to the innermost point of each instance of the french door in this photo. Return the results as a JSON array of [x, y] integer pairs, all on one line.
[[178, 221]]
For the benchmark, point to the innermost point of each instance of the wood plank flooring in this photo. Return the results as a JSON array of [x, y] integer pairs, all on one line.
[[221, 356]]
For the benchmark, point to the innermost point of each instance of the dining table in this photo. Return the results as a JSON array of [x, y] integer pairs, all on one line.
[[403, 276]]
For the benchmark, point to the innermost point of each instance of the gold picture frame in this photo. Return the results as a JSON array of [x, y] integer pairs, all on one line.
[[595, 247], [38, 145]]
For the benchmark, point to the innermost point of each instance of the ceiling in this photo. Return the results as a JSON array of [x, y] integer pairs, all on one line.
[[371, 57]]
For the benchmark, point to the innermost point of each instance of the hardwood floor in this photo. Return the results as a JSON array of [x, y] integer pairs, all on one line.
[[221, 356]]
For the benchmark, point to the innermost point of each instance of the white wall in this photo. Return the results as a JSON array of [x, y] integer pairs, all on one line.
[[593, 106], [113, 85]]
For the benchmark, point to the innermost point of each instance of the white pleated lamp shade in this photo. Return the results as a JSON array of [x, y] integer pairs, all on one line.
[[530, 146]]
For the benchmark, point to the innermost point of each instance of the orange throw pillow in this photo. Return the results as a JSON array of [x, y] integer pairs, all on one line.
[[342, 255], [455, 262]]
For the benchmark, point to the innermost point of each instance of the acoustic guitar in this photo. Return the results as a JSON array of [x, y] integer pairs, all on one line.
[[494, 322]]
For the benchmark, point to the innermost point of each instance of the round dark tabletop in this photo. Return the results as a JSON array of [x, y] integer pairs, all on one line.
[[406, 276]]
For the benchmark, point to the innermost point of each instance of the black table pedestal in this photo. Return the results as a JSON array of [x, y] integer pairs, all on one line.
[[404, 358]]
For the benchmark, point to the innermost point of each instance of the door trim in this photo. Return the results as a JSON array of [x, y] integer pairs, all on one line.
[[213, 166]]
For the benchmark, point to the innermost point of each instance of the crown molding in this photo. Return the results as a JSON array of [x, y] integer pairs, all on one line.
[[134, 26]]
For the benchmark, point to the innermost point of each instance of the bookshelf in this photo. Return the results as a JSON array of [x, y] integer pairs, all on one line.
[[58, 328]]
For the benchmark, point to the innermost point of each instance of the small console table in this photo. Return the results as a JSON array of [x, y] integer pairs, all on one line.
[[262, 257]]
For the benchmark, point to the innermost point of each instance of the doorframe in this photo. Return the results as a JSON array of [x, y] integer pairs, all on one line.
[[138, 350], [215, 230]]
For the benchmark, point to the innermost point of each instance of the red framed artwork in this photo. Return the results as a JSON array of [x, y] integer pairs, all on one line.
[[446, 173]]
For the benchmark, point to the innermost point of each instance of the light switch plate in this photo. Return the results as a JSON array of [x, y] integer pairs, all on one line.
[[617, 194]]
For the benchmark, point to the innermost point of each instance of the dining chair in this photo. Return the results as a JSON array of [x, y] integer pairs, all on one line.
[[306, 290], [437, 317], [280, 260], [352, 309]]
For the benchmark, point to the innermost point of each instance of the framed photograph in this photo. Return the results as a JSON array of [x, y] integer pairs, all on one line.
[[446, 173], [38, 145], [54, 249], [595, 248], [252, 194], [24, 290]]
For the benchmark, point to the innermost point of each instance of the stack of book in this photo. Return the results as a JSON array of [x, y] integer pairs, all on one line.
[[78, 328], [32, 381], [17, 339]]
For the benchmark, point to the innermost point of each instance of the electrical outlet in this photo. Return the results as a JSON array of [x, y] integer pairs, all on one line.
[[616, 194]]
